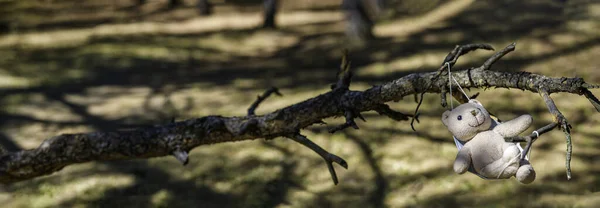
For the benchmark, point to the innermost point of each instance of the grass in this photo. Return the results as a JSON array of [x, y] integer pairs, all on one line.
[[64, 75]]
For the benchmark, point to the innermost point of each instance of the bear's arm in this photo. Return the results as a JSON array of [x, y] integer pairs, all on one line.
[[514, 127], [463, 160]]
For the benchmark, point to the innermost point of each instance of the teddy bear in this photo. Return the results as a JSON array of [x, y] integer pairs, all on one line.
[[484, 151]]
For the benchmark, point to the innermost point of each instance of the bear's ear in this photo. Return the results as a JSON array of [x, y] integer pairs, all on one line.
[[476, 102], [445, 117]]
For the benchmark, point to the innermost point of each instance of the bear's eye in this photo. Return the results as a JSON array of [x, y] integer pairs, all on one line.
[[459, 117]]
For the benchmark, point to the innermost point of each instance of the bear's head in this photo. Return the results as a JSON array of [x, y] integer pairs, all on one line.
[[466, 120]]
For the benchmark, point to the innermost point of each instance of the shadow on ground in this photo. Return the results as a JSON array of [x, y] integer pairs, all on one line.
[[301, 58]]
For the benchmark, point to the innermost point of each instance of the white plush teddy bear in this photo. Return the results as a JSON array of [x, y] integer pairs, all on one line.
[[485, 151]]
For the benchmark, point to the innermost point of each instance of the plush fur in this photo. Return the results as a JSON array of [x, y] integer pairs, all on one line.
[[485, 148]]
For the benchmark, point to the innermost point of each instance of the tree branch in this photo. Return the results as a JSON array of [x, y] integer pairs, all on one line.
[[562, 123], [179, 138], [328, 157], [448, 63], [385, 110], [262, 98], [531, 138]]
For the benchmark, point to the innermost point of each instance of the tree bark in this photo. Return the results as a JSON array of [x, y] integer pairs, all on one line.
[[177, 139]]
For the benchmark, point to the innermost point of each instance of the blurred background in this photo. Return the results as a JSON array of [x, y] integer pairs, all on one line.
[[72, 66]]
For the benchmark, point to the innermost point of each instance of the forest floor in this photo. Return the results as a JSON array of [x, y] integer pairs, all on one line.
[[72, 67]]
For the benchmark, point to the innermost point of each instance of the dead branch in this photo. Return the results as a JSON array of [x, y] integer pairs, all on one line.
[[562, 123], [179, 138], [531, 138], [261, 98], [328, 157]]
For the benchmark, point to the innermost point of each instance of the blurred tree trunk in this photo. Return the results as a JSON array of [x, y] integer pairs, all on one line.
[[140, 2], [204, 7], [360, 15], [175, 3], [583, 15], [4, 27], [270, 10]]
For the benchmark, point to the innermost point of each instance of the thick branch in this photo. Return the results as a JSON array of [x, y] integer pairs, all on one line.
[[179, 138]]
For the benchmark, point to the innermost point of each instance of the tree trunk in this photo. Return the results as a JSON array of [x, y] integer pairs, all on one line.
[[359, 24], [270, 10], [204, 7], [4, 27]]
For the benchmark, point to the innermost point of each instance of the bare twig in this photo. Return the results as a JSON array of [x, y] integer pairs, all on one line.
[[343, 85], [595, 102], [531, 138], [350, 115], [416, 113], [567, 131], [460, 50], [345, 74], [385, 110], [328, 157], [562, 124], [497, 56], [261, 98]]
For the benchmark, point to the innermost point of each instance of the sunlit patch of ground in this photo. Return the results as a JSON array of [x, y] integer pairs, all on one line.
[[412, 25], [123, 75]]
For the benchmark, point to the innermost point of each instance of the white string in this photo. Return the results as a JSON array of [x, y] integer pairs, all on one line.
[[460, 88], [508, 164], [537, 134], [450, 78], [450, 85]]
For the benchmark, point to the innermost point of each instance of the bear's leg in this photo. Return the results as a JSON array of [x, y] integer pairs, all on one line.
[[505, 167], [499, 169], [462, 161], [525, 173]]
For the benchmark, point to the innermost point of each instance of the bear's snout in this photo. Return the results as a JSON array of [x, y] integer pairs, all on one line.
[[478, 118]]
